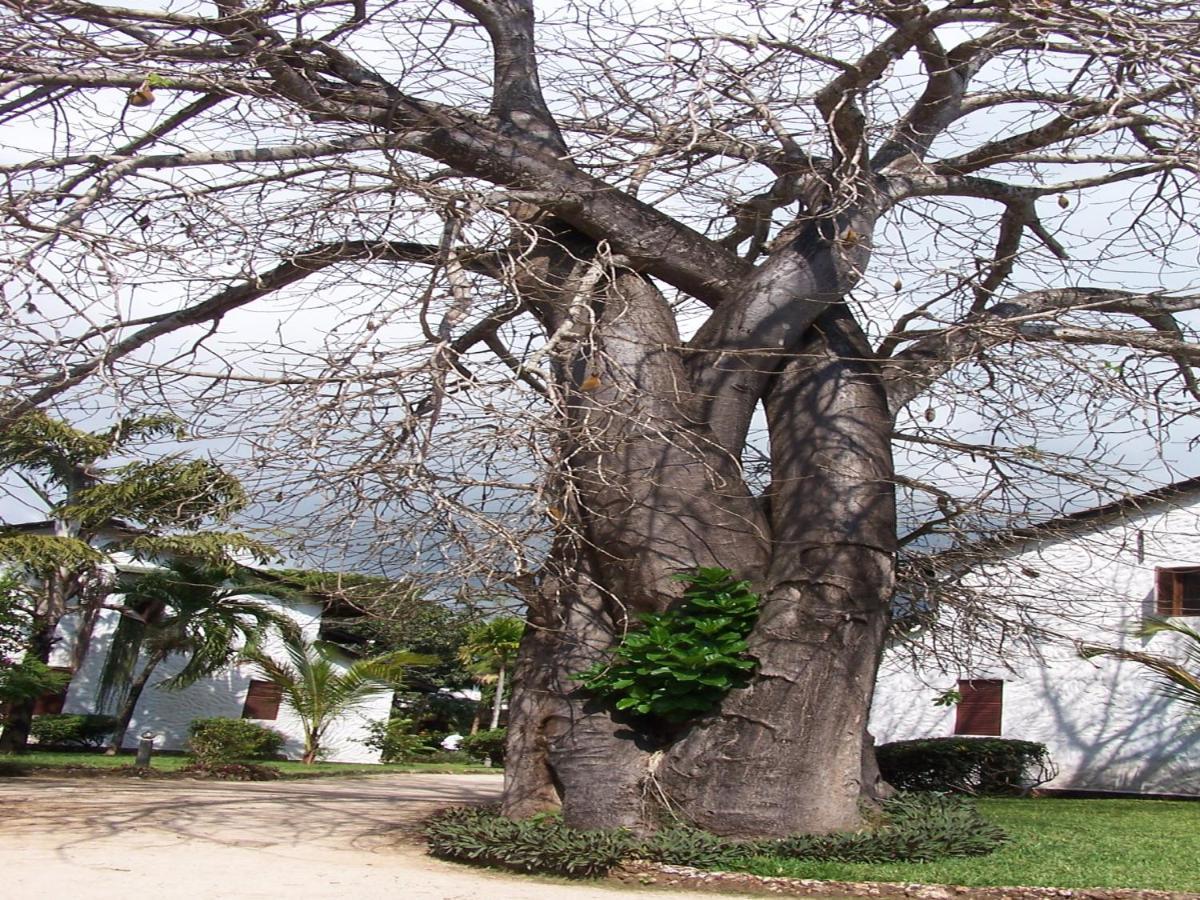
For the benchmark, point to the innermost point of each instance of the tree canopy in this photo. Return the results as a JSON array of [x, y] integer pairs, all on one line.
[[577, 298]]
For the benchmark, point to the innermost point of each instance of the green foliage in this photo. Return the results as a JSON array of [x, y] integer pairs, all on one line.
[[28, 679], [914, 827], [320, 691], [212, 548], [168, 493], [492, 645], [66, 731], [487, 745], [681, 845], [219, 741], [683, 661], [196, 612], [396, 741], [535, 845], [47, 446], [1178, 680], [1072, 845], [995, 766], [42, 554]]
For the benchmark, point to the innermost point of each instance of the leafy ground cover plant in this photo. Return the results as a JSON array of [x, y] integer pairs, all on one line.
[[683, 661], [991, 766], [913, 827]]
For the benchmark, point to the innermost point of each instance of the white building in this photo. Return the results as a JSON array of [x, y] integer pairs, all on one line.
[[233, 693], [1095, 576]]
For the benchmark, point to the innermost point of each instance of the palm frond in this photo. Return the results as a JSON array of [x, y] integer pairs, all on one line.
[[123, 652]]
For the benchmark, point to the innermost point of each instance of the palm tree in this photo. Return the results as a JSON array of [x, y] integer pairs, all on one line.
[[320, 691], [489, 651], [198, 612], [1179, 681]]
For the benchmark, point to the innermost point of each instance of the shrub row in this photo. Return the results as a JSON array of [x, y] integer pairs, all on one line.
[[965, 765], [69, 732], [914, 827]]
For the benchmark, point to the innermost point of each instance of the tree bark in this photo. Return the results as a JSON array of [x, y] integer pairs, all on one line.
[[129, 707], [498, 701], [784, 755]]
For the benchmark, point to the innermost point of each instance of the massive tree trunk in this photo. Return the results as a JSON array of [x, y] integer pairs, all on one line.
[[652, 486], [785, 754]]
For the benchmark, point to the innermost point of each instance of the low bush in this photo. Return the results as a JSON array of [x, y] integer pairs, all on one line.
[[988, 766], [228, 740], [913, 827], [66, 731], [486, 745], [396, 742]]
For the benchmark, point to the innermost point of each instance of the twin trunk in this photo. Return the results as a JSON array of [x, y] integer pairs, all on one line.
[[651, 492]]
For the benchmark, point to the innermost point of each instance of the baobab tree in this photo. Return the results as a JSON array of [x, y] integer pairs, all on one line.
[[563, 269]]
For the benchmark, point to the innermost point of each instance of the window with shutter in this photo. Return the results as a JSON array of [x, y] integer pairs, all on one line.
[[1177, 591], [262, 701], [981, 709]]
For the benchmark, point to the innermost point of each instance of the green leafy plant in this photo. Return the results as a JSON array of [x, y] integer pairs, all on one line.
[[482, 836], [196, 614], [917, 827], [28, 680], [912, 827], [965, 765], [488, 651], [683, 661], [217, 741], [396, 742], [321, 685], [93, 510], [63, 730], [1178, 680], [487, 745]]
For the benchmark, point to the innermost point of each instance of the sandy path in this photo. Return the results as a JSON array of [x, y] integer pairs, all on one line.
[[293, 840]]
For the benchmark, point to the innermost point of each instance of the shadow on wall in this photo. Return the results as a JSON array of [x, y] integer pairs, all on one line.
[[1110, 729]]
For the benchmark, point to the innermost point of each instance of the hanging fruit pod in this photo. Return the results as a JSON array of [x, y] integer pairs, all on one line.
[[141, 95]]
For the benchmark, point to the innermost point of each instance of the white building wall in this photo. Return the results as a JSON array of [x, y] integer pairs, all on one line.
[[1106, 725], [168, 713]]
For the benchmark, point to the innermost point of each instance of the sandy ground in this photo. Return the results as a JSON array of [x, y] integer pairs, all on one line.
[[294, 840]]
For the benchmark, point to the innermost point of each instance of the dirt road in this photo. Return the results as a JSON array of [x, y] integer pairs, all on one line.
[[288, 840]]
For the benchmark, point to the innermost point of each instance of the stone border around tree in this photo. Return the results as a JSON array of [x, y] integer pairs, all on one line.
[[649, 873]]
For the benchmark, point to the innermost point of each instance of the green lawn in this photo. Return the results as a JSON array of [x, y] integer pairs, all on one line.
[[48, 762], [1055, 843]]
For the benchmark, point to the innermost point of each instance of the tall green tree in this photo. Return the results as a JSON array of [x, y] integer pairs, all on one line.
[[320, 690], [143, 508], [489, 652], [1178, 679], [199, 613]]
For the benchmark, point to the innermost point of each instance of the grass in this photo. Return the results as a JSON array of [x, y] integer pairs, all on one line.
[[1144, 844], [47, 762]]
